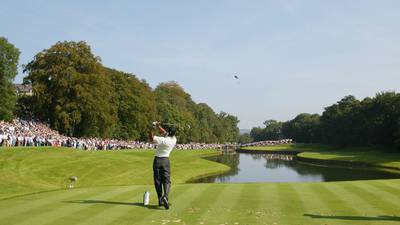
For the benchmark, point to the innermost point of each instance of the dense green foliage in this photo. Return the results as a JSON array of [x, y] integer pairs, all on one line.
[[24, 107], [71, 91], [79, 96], [303, 128], [195, 122], [135, 104], [227, 129], [372, 121], [272, 131], [8, 70], [175, 106], [349, 122], [245, 138]]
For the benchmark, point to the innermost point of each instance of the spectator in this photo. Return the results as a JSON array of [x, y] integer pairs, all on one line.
[[34, 133]]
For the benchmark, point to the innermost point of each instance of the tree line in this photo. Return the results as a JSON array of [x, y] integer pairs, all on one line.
[[79, 96], [349, 122], [9, 56]]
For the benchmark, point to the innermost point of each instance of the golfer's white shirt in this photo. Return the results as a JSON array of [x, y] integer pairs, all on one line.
[[164, 145]]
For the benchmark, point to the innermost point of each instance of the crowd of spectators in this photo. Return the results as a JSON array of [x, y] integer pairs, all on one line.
[[28, 133], [104, 144], [25, 133], [198, 146], [264, 143]]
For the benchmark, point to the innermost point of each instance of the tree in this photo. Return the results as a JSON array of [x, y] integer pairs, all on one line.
[[135, 103], [9, 55], [71, 90], [23, 108], [78, 96], [397, 135], [257, 134], [195, 122], [340, 122], [273, 130], [372, 121], [230, 130], [303, 128], [245, 138], [380, 117], [349, 122], [206, 121], [175, 106]]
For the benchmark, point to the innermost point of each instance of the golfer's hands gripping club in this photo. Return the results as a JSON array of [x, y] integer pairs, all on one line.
[[157, 125]]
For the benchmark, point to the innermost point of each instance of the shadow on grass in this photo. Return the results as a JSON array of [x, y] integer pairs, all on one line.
[[115, 203], [371, 218]]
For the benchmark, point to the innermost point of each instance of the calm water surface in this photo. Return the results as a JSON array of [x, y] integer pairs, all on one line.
[[274, 168]]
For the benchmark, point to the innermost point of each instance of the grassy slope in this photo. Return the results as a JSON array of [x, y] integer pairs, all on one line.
[[27, 170], [360, 202], [379, 157]]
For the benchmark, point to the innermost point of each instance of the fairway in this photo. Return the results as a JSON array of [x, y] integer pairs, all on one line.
[[111, 186], [27, 170], [371, 202]]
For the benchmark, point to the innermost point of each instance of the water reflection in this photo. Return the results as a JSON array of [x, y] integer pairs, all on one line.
[[284, 168], [231, 160]]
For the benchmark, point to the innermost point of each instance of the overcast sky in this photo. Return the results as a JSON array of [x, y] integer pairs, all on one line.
[[290, 56]]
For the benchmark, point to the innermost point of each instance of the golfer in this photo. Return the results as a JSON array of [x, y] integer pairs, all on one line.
[[161, 168]]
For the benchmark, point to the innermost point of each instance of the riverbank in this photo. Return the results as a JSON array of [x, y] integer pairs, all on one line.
[[370, 156]]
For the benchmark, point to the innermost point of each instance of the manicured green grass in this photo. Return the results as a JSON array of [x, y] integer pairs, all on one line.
[[112, 183], [26, 170], [373, 155], [341, 203]]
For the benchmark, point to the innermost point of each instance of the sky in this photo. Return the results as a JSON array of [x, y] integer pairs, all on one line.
[[291, 56]]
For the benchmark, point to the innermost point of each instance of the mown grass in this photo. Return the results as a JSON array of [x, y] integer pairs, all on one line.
[[111, 185], [373, 155], [336, 203], [25, 170]]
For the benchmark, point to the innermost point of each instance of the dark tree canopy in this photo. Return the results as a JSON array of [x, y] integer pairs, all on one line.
[[303, 128], [271, 131], [8, 70], [349, 122], [175, 106], [79, 96], [195, 122], [71, 90], [135, 103], [245, 138]]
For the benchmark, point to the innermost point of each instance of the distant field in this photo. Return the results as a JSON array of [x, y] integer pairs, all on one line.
[[25, 170], [379, 157]]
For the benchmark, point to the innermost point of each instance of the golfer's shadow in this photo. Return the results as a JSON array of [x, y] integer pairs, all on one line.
[[371, 218], [114, 203]]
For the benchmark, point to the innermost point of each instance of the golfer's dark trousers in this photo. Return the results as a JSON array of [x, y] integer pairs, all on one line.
[[161, 172]]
